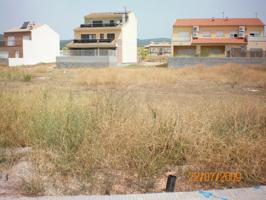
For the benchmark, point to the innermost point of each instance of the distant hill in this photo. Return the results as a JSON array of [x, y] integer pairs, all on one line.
[[143, 42], [63, 43]]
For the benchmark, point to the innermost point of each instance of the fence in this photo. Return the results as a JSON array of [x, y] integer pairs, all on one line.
[[176, 62], [87, 58], [88, 52], [253, 53]]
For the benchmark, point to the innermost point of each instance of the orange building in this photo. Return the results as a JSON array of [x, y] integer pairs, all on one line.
[[218, 37]]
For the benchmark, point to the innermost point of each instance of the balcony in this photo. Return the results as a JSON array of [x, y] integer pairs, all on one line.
[[98, 25], [182, 41], [93, 41], [257, 39]]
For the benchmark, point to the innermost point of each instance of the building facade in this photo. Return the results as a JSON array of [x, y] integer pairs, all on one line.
[[218, 37], [159, 49], [30, 44], [107, 33]]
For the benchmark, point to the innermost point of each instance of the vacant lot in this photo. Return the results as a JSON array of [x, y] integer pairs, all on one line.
[[123, 130]]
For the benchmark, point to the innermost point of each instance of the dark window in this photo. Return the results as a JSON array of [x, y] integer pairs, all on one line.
[[88, 36], [110, 36], [101, 36], [97, 23]]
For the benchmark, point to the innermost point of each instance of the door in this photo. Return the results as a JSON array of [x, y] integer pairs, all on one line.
[[17, 54]]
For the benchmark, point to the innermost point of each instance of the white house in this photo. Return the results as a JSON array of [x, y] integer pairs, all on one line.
[[30, 44]]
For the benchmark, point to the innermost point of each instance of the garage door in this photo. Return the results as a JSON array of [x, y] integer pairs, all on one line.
[[212, 51], [185, 51]]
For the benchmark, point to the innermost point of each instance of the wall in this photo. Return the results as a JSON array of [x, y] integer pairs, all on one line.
[[129, 40], [256, 45], [18, 43], [44, 46], [174, 62], [3, 61], [86, 61]]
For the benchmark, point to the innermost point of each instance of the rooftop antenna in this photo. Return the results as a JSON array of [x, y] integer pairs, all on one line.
[[223, 14], [256, 14], [125, 8]]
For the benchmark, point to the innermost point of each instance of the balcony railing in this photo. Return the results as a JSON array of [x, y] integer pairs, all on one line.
[[257, 38], [93, 40], [98, 25], [182, 39]]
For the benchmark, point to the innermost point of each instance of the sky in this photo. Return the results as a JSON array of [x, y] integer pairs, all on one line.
[[155, 17]]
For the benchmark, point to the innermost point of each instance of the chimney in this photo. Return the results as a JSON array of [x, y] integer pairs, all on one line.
[[213, 19]]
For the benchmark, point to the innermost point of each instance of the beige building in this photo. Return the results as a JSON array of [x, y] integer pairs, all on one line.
[[159, 49], [107, 33], [218, 37]]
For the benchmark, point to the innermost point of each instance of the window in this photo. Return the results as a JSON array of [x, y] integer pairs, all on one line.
[[26, 37], [206, 34], [233, 34], [17, 54], [111, 36], [88, 36], [97, 23], [254, 34], [220, 34], [112, 22], [183, 36], [11, 41], [101, 36]]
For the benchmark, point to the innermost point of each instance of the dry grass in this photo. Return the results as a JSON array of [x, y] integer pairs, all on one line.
[[120, 137]]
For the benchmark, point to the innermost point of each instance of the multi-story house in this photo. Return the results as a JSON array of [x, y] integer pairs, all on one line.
[[107, 33], [30, 44], [159, 49], [218, 37]]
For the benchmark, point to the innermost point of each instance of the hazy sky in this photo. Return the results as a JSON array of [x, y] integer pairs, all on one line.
[[155, 17]]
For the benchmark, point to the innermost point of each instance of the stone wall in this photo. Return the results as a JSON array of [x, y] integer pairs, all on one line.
[[175, 62], [86, 61]]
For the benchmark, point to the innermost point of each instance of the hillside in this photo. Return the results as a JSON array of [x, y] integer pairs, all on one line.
[[63, 43]]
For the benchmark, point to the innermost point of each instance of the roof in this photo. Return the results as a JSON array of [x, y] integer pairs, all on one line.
[[218, 41], [98, 15], [220, 22], [28, 29]]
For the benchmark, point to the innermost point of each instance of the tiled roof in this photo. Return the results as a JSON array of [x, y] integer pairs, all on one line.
[[220, 22], [218, 41]]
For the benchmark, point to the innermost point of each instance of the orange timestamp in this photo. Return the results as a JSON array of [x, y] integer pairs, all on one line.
[[222, 177]]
